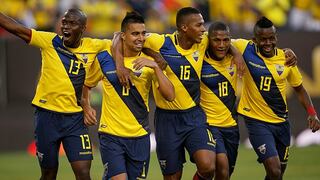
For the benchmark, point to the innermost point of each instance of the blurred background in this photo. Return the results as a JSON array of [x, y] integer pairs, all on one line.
[[298, 23]]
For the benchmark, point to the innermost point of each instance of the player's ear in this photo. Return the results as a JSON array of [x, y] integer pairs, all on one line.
[[122, 35], [184, 27]]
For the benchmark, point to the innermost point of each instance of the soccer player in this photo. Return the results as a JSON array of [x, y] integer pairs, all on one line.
[[59, 115], [218, 100], [263, 98], [124, 128]]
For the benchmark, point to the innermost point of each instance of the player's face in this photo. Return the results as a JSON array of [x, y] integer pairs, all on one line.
[[72, 29], [134, 37], [219, 44], [266, 41], [195, 27]]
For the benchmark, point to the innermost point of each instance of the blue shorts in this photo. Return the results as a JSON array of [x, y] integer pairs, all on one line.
[[227, 142], [52, 129], [269, 139], [125, 155], [176, 130]]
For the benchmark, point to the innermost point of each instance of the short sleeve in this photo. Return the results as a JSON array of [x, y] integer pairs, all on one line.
[[41, 39], [294, 77], [240, 44], [93, 75], [154, 41]]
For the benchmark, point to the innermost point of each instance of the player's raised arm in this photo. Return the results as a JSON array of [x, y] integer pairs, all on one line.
[[15, 28], [123, 73], [238, 60], [305, 100]]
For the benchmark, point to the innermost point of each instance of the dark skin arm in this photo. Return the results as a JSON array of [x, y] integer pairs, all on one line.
[[123, 73], [15, 28], [237, 60], [305, 100], [89, 113], [157, 57]]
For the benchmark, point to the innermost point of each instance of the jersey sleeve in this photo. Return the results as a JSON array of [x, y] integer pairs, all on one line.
[[93, 75], [154, 41], [41, 39], [294, 78], [240, 44]]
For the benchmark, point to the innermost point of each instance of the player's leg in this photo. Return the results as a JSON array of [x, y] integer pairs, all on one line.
[[200, 143], [77, 145], [47, 142], [138, 157], [222, 165], [283, 137], [170, 149], [231, 139], [263, 142], [113, 157]]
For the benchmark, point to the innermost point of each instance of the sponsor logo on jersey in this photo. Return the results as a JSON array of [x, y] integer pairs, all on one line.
[[257, 65], [42, 101]]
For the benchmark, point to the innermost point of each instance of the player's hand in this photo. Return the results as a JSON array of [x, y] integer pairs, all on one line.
[[240, 64], [144, 62], [291, 58], [123, 74], [314, 123], [89, 115]]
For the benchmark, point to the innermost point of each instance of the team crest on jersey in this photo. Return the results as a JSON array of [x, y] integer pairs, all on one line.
[[84, 57], [137, 72], [231, 70], [262, 149], [195, 55], [279, 68]]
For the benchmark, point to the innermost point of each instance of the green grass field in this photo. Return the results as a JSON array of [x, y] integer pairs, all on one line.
[[304, 164]]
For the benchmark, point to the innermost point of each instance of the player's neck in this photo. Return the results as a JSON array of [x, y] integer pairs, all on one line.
[[183, 41], [129, 53]]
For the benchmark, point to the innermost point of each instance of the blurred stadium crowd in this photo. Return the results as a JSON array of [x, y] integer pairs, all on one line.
[[104, 16]]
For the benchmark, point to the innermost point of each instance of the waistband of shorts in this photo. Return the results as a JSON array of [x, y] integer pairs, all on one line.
[[54, 112], [178, 110]]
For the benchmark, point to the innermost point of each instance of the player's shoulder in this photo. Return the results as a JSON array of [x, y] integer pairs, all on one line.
[[96, 44], [35, 33]]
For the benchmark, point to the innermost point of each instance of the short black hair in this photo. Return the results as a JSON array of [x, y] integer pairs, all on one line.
[[263, 22], [183, 12], [131, 17], [218, 26], [80, 14]]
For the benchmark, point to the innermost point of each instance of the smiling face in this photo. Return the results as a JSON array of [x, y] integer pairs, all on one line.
[[266, 40], [72, 28], [134, 37], [194, 27], [219, 44]]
